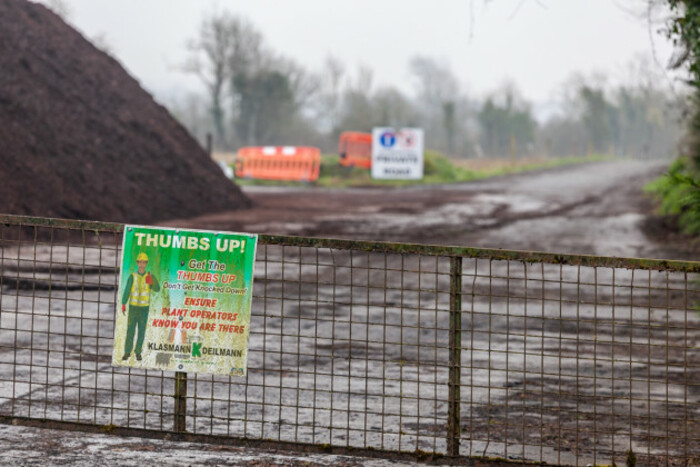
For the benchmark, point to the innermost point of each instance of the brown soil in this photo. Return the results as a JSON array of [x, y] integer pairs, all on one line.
[[427, 215], [79, 138]]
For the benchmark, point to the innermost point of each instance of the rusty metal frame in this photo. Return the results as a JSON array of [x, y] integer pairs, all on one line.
[[375, 347], [400, 248]]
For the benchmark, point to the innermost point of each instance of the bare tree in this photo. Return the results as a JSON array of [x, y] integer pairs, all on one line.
[[434, 81], [394, 109], [328, 105], [210, 62], [439, 98], [305, 86], [226, 45], [506, 122], [363, 81], [191, 111]]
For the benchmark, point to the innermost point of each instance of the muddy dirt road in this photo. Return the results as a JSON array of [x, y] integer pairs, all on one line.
[[595, 208], [360, 360]]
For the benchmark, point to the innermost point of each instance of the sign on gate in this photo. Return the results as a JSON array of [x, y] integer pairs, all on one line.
[[397, 154], [184, 300]]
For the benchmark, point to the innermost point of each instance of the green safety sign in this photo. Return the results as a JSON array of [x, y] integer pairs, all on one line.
[[184, 300]]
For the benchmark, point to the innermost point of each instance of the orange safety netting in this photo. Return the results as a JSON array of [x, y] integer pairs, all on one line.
[[288, 163], [355, 149]]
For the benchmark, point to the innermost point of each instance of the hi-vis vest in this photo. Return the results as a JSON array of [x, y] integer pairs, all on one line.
[[140, 291]]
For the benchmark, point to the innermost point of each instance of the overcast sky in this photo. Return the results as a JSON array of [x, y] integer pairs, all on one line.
[[536, 44]]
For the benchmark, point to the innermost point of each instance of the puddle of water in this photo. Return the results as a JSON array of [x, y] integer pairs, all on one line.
[[582, 235], [516, 202]]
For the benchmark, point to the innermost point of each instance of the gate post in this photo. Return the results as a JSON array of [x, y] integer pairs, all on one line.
[[455, 359], [180, 420]]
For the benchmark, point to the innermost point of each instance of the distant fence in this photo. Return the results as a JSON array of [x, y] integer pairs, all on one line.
[[286, 163], [375, 347]]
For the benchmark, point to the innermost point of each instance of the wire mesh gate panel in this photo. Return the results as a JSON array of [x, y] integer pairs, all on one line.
[[578, 365], [570, 360]]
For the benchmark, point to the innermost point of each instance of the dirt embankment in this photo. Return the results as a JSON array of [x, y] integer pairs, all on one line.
[[79, 138]]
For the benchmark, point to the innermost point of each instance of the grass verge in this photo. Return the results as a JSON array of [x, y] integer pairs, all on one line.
[[438, 169], [678, 192]]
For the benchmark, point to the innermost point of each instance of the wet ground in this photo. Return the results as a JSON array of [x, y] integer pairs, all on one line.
[[590, 209], [39, 447], [597, 208]]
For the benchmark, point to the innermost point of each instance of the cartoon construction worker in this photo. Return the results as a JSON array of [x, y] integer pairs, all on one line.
[[138, 293]]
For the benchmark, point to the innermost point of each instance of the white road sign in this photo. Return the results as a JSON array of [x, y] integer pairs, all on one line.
[[397, 155]]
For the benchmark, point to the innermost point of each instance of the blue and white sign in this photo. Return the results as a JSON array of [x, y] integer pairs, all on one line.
[[397, 155], [387, 139]]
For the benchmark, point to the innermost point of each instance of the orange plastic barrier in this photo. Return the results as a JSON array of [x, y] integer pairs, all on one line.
[[289, 163], [355, 149]]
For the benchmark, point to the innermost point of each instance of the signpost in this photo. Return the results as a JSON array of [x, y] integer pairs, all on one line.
[[397, 155], [184, 300]]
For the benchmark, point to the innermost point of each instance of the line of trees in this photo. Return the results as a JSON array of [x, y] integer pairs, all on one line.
[[255, 96]]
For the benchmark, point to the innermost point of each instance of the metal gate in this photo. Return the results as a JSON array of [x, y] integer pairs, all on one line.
[[375, 347]]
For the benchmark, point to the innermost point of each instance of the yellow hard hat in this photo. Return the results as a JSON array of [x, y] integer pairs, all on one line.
[[142, 257]]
